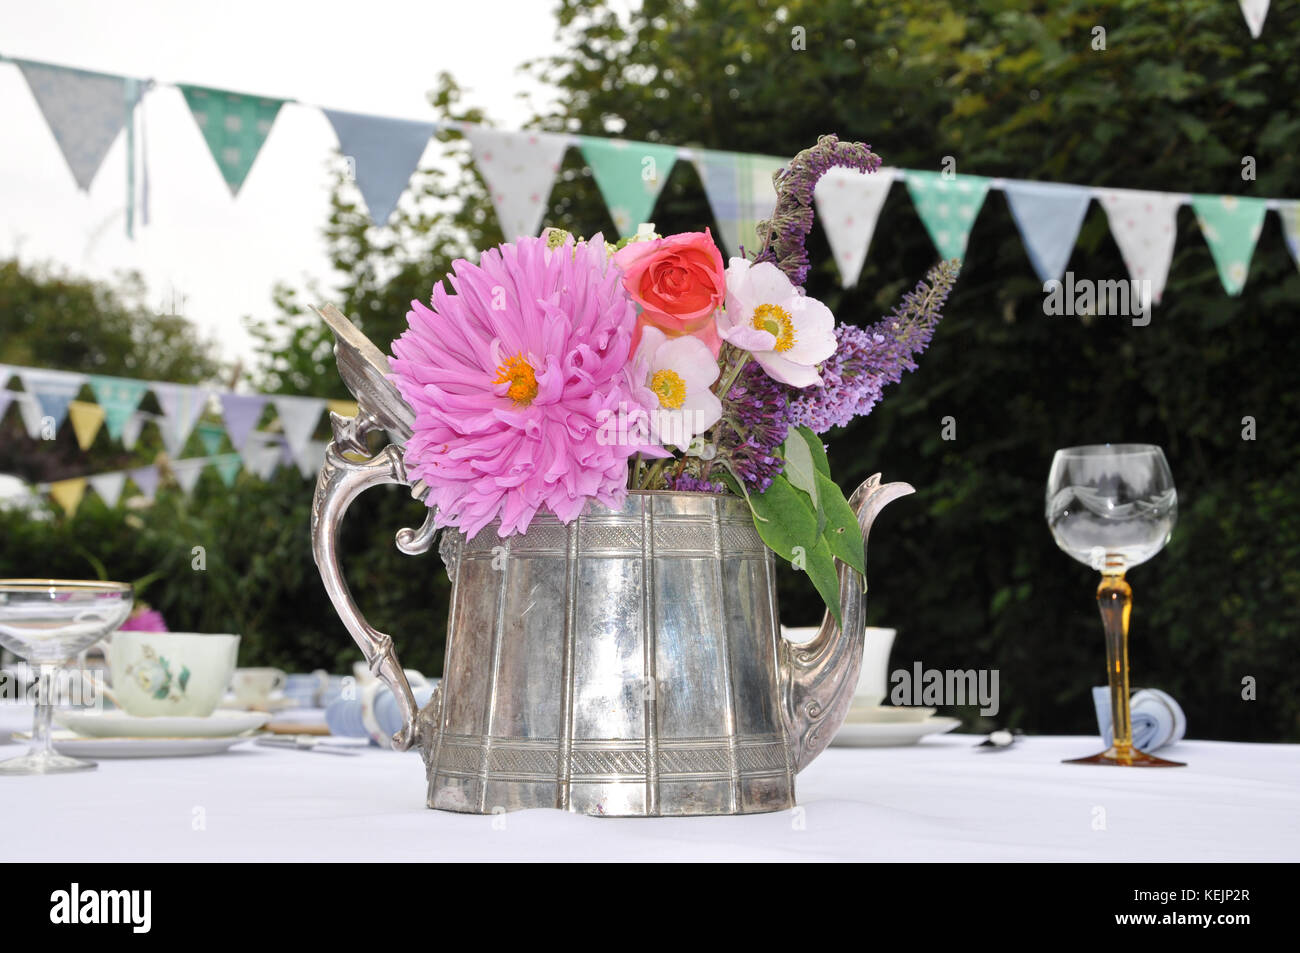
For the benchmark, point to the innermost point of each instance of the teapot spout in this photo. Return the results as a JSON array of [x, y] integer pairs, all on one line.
[[818, 678]]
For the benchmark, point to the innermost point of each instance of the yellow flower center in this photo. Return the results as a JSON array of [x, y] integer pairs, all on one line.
[[518, 373], [775, 320], [670, 387]]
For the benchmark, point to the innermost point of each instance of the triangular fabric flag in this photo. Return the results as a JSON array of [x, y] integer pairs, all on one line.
[[146, 478], [132, 428], [848, 206], [384, 155], [228, 467], [298, 419], [187, 473], [109, 486], [1289, 212], [86, 418], [519, 169], [1231, 226], [234, 125], [1048, 216], [1143, 224], [311, 458], [1254, 11], [241, 412], [630, 177], [261, 455], [212, 436], [119, 396], [182, 406], [53, 391], [740, 192], [5, 397], [33, 420], [85, 111], [947, 205], [344, 408], [6, 372], [68, 493]]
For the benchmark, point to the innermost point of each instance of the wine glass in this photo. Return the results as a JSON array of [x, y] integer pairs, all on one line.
[[1113, 507], [47, 622]]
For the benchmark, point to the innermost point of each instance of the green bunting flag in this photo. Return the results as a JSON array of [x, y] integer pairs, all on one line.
[[630, 176], [119, 396], [947, 205], [234, 125], [1231, 227]]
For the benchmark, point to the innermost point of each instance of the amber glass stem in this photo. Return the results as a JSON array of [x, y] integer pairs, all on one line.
[[1115, 600]]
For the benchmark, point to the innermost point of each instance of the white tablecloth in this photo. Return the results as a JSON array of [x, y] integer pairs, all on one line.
[[939, 800]]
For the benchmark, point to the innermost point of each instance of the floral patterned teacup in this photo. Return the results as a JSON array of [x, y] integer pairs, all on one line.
[[171, 673]]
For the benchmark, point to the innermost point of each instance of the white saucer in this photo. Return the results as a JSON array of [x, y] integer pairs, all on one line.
[[100, 748], [866, 734], [892, 714], [118, 724]]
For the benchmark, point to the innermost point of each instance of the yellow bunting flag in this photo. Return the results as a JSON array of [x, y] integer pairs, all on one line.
[[68, 493], [87, 418], [344, 408]]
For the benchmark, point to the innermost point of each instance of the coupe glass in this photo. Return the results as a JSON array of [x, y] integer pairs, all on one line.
[[1113, 506], [47, 622]]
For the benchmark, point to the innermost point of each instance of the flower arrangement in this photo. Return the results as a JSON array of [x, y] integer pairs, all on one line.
[[563, 371]]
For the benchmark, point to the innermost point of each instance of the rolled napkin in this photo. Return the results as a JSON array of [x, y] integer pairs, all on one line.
[[374, 714], [1157, 719]]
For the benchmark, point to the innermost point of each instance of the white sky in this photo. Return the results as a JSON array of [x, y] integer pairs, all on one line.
[[221, 256]]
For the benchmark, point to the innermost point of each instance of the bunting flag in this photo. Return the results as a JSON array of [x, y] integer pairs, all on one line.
[[740, 193], [1231, 226], [261, 455], [119, 396], [5, 397], [384, 154], [187, 473], [109, 486], [182, 406], [519, 169], [86, 421], [212, 436], [947, 205], [1048, 216], [53, 391], [848, 206], [85, 112], [1254, 11], [234, 126], [146, 479], [132, 428], [68, 493], [241, 412], [312, 457], [1143, 226], [1289, 212], [298, 419], [630, 176], [33, 420], [228, 467]]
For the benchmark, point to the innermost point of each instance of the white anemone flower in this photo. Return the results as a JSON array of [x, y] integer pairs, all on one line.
[[788, 333], [680, 372]]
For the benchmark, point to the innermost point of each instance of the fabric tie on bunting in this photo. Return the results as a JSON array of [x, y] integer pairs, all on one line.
[[630, 177], [740, 193], [1048, 216], [1231, 227], [519, 169], [187, 473], [119, 396], [1289, 212], [1143, 224], [848, 207], [85, 112], [53, 391], [109, 486], [241, 412], [68, 493], [298, 419], [182, 406], [146, 479], [86, 420], [947, 205], [228, 467], [1255, 11], [234, 126], [384, 154]]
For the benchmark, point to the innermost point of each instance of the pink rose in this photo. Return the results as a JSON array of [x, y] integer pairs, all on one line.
[[678, 281]]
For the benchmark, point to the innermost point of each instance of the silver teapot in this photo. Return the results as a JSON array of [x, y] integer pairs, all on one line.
[[630, 663]]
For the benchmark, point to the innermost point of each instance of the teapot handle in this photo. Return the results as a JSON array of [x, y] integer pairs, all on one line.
[[340, 482]]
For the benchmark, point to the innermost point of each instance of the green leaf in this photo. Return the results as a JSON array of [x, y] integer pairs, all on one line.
[[821, 569], [816, 449], [802, 472], [785, 520], [843, 534]]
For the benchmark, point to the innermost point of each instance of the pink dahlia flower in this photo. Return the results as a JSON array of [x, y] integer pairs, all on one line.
[[144, 619], [511, 378]]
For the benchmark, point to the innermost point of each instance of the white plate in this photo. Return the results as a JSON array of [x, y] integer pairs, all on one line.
[[98, 748], [883, 735], [892, 714], [118, 724]]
